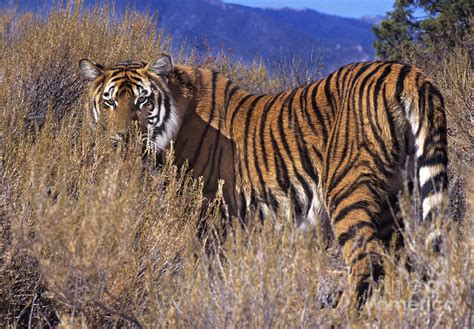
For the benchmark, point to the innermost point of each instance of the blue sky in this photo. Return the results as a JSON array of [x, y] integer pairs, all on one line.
[[347, 8]]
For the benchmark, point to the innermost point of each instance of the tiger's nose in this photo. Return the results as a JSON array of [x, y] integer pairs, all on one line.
[[119, 128]]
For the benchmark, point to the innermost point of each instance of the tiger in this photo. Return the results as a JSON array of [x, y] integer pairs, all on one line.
[[336, 148]]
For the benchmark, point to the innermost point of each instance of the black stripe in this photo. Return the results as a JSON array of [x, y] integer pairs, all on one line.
[[317, 152], [281, 171], [381, 166], [404, 71], [307, 190], [246, 133], [422, 108], [116, 79], [218, 134], [263, 122], [338, 78], [291, 110], [346, 191], [197, 152], [257, 166], [352, 231], [435, 184], [298, 207], [236, 110], [135, 79], [213, 96], [359, 205], [375, 129], [374, 117], [243, 209], [334, 181], [358, 258], [440, 157], [362, 69], [439, 133], [114, 74], [219, 163], [328, 93], [281, 128], [318, 113], [391, 126], [361, 244], [231, 95], [303, 153], [371, 238], [226, 104], [304, 107], [227, 97], [350, 69], [167, 106], [272, 200]]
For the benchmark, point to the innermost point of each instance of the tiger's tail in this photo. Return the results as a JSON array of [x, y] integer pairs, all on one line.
[[425, 112]]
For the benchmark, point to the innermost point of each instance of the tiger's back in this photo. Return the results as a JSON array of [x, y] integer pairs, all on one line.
[[303, 144]]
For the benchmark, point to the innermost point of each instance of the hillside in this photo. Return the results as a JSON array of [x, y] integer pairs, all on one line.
[[245, 32]]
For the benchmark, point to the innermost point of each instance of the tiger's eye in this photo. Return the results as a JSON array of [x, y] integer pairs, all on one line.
[[109, 102], [141, 99]]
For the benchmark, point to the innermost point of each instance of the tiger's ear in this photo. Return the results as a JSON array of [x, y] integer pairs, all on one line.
[[90, 69], [161, 65]]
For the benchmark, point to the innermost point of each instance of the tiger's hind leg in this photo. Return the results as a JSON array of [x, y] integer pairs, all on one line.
[[355, 205]]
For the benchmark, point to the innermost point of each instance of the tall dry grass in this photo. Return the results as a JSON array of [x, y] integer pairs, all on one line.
[[93, 235]]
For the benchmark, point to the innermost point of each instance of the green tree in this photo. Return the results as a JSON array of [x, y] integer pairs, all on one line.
[[445, 24]]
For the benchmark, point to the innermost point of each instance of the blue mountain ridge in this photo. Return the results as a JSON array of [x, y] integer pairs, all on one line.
[[249, 33]]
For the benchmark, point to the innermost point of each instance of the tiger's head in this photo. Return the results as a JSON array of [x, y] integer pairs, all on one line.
[[129, 92]]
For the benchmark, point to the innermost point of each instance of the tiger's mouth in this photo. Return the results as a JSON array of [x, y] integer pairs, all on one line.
[[136, 136], [127, 136]]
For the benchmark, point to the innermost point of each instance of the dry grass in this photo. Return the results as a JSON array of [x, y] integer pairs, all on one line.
[[93, 236]]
